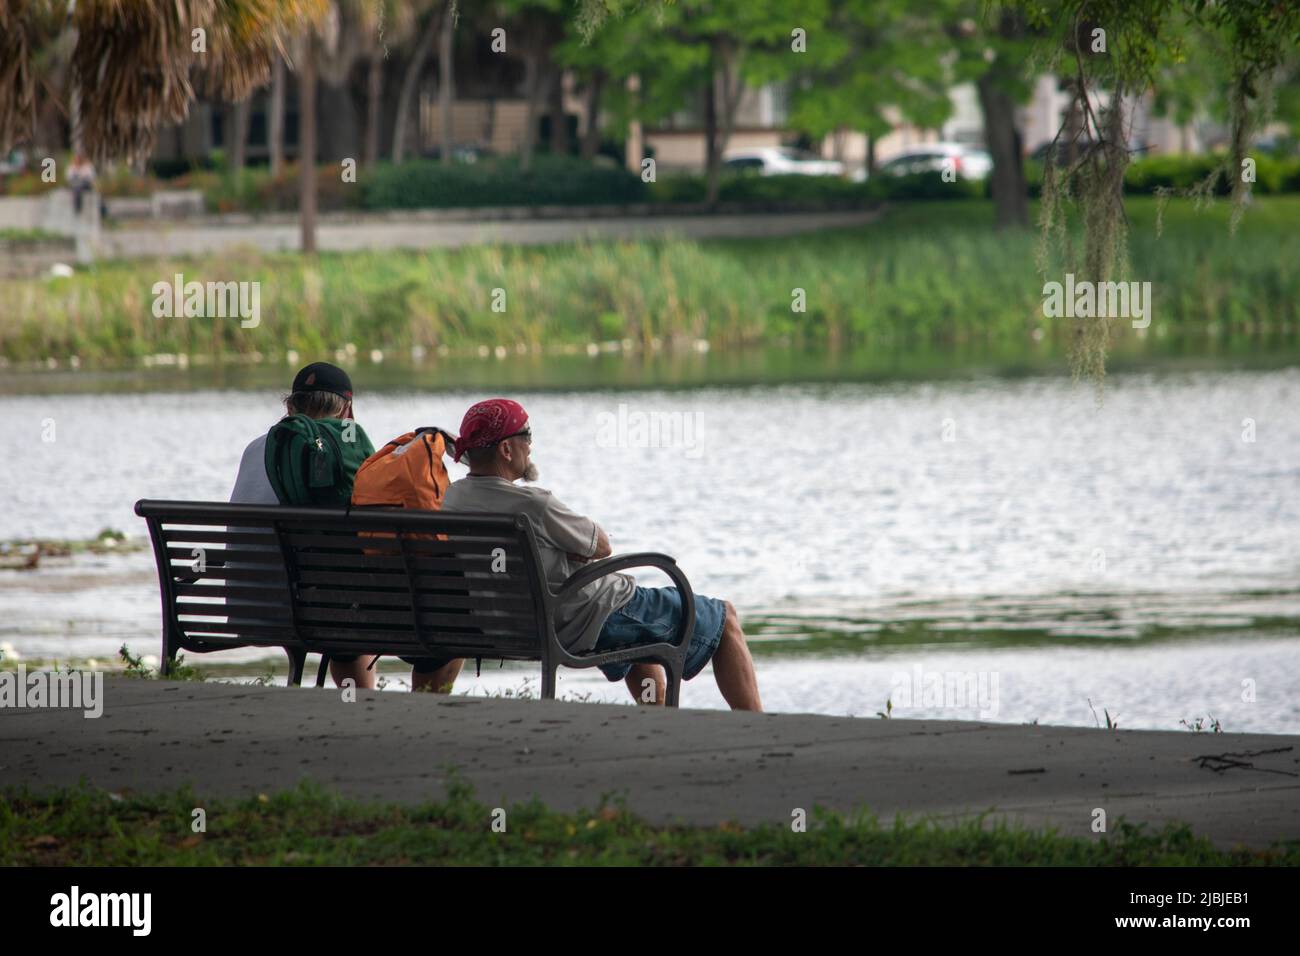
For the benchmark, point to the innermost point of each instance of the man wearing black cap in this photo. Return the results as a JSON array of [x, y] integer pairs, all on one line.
[[320, 390]]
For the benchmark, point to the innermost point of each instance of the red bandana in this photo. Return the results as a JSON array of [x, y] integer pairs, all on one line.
[[488, 422]]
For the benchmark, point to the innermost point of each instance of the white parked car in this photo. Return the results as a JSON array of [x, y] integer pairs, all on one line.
[[968, 162], [780, 161]]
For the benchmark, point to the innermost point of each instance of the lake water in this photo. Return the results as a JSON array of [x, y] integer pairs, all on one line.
[[1009, 535]]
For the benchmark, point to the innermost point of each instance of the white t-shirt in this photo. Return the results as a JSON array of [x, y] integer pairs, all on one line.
[[560, 532], [252, 486]]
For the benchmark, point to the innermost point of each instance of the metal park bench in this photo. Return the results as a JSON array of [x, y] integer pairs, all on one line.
[[375, 581]]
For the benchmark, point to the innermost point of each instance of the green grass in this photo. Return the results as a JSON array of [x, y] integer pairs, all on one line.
[[24, 236], [929, 276], [311, 826]]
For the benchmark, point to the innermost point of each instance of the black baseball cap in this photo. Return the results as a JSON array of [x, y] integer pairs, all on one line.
[[323, 377]]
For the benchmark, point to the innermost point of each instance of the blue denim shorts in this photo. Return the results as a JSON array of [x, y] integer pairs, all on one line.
[[652, 617]]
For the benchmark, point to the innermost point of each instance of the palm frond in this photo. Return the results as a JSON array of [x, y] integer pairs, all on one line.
[[135, 63]]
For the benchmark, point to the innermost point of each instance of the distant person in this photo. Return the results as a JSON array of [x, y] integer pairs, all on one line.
[[323, 393], [81, 180], [613, 611]]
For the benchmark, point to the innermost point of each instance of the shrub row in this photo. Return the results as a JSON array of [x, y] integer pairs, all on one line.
[[563, 181]]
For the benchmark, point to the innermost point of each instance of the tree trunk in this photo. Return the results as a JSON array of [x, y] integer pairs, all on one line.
[[242, 114], [307, 145], [718, 123], [374, 105], [275, 121], [559, 123], [411, 80], [446, 84], [591, 134], [871, 155], [1010, 192], [712, 164], [532, 67]]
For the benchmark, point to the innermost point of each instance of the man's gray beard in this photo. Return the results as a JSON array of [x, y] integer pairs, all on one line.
[[531, 473]]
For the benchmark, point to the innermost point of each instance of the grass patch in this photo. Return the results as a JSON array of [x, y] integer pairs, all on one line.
[[16, 236], [311, 826], [927, 276]]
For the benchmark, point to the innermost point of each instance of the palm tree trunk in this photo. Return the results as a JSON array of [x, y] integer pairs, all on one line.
[[374, 104], [532, 67], [591, 134], [446, 84], [559, 122], [242, 114], [411, 80], [712, 153], [307, 145], [275, 121]]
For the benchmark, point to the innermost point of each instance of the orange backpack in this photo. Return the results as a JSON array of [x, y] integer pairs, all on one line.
[[407, 472]]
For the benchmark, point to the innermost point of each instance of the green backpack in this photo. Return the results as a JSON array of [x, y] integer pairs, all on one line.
[[310, 462]]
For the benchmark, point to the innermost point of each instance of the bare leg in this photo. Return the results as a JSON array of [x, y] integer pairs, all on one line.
[[641, 691], [359, 670], [439, 681], [733, 668]]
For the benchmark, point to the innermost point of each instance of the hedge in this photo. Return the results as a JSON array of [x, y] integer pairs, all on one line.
[[552, 180]]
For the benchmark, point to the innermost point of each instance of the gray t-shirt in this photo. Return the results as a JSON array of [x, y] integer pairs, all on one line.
[[560, 532], [252, 486]]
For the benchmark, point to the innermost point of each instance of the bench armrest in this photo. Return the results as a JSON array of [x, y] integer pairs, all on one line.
[[641, 559]]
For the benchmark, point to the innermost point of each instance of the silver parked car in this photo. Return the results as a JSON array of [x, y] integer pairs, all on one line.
[[968, 162], [780, 161]]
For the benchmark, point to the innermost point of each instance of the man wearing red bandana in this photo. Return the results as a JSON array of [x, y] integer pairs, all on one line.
[[613, 611]]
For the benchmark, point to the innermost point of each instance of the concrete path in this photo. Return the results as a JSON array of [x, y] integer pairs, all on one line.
[[697, 766], [352, 233]]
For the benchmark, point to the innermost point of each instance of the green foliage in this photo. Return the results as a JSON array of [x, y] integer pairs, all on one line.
[[1142, 39], [1185, 173], [749, 188], [928, 185], [29, 236], [312, 826], [137, 668], [931, 273], [552, 180], [869, 61]]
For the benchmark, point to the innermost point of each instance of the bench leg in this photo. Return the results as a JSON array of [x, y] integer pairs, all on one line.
[[168, 661], [324, 669], [673, 692], [297, 660], [548, 682]]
